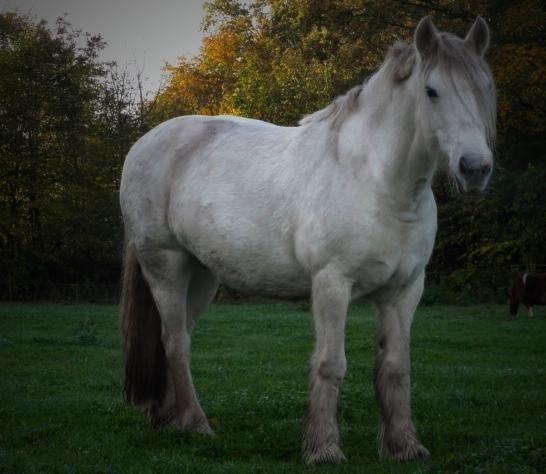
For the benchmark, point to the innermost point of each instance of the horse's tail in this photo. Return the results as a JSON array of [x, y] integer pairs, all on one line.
[[144, 355]]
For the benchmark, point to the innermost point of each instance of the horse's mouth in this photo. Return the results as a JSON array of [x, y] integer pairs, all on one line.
[[459, 185], [463, 188]]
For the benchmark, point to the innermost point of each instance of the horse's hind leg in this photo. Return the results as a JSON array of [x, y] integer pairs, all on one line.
[[168, 273], [397, 436], [202, 289]]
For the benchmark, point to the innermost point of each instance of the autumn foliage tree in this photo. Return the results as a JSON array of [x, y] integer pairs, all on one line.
[[278, 60], [68, 119]]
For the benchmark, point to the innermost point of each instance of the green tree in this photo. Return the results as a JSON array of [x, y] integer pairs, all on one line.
[[67, 121], [66, 124]]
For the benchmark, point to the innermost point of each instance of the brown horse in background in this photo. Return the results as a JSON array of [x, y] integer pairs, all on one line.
[[529, 289]]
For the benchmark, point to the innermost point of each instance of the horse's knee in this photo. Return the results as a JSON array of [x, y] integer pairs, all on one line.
[[332, 369], [392, 353], [389, 374]]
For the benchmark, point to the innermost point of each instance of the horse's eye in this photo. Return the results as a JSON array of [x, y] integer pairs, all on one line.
[[431, 92]]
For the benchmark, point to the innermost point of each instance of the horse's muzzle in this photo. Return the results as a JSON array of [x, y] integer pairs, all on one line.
[[473, 174]]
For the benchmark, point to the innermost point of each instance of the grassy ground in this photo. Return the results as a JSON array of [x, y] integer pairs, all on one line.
[[479, 392]]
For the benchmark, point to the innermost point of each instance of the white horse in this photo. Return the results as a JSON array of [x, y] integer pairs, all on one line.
[[338, 207]]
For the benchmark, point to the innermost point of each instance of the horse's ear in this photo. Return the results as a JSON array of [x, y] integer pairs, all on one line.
[[426, 36], [478, 36]]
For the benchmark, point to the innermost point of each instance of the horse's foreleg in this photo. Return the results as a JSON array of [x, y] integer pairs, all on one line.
[[168, 274], [530, 311], [331, 294], [397, 436]]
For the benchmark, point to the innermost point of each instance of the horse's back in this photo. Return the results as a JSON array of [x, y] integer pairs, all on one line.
[[178, 137], [174, 150], [217, 187]]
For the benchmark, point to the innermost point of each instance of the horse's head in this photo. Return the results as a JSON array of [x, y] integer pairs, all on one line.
[[456, 101]]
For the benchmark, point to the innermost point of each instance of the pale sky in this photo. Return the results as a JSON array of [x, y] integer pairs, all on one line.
[[149, 32]]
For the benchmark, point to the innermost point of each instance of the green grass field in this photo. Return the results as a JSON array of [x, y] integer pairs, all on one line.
[[479, 392]]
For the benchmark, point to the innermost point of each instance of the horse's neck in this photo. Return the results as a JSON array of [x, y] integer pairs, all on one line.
[[383, 140]]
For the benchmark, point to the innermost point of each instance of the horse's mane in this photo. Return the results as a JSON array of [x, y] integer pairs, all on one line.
[[337, 111], [450, 54], [399, 60]]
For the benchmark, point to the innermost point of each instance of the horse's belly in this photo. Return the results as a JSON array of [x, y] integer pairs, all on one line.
[[257, 274], [249, 257], [274, 285]]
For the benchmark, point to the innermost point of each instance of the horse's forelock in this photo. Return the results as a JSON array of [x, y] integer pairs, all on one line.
[[455, 58]]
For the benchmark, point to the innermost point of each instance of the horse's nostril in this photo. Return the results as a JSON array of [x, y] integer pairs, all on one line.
[[474, 168], [464, 165], [486, 169]]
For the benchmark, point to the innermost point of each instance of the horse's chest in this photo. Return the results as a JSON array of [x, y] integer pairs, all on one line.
[[395, 259], [407, 269]]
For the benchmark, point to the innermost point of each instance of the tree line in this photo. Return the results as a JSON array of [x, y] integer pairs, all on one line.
[[67, 120]]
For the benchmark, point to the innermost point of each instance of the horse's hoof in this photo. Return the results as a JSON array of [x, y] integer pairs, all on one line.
[[161, 417], [401, 444], [204, 429], [330, 454], [197, 424], [413, 451]]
